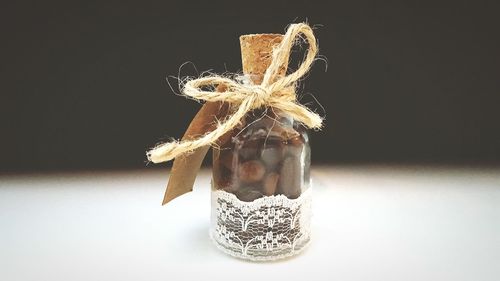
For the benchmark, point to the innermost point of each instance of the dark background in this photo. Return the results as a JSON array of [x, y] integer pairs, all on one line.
[[83, 84]]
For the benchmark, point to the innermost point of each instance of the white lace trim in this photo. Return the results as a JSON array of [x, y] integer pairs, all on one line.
[[268, 228]]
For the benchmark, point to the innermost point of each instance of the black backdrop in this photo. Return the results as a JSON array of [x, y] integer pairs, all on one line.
[[83, 84]]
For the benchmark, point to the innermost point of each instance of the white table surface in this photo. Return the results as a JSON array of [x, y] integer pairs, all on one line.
[[370, 223]]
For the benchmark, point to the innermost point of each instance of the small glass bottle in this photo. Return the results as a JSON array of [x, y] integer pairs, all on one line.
[[261, 176]]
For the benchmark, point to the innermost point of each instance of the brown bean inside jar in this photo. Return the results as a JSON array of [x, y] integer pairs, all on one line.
[[266, 158]]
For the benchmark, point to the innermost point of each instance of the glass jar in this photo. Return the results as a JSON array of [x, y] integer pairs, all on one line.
[[260, 188]]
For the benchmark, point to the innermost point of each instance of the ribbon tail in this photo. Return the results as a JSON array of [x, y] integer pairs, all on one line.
[[186, 166], [183, 174]]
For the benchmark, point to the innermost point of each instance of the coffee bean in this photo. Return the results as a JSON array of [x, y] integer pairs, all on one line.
[[251, 171], [272, 155], [296, 140], [248, 194], [290, 180], [249, 149], [286, 133], [295, 147], [270, 184]]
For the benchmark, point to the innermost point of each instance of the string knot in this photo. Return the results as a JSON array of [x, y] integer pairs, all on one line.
[[261, 95], [274, 91]]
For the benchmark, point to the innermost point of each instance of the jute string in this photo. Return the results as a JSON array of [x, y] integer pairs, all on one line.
[[275, 91]]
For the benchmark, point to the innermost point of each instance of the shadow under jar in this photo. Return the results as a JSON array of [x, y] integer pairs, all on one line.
[[260, 188]]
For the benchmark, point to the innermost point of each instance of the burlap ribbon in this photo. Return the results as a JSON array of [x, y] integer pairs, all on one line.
[[274, 91]]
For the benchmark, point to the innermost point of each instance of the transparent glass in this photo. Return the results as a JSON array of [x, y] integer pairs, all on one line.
[[270, 156]]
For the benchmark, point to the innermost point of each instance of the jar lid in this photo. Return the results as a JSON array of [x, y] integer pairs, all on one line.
[[256, 54]]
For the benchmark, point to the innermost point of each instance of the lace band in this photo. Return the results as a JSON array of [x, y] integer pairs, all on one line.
[[268, 228]]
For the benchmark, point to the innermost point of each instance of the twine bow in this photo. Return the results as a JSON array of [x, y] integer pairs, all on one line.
[[274, 91]]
